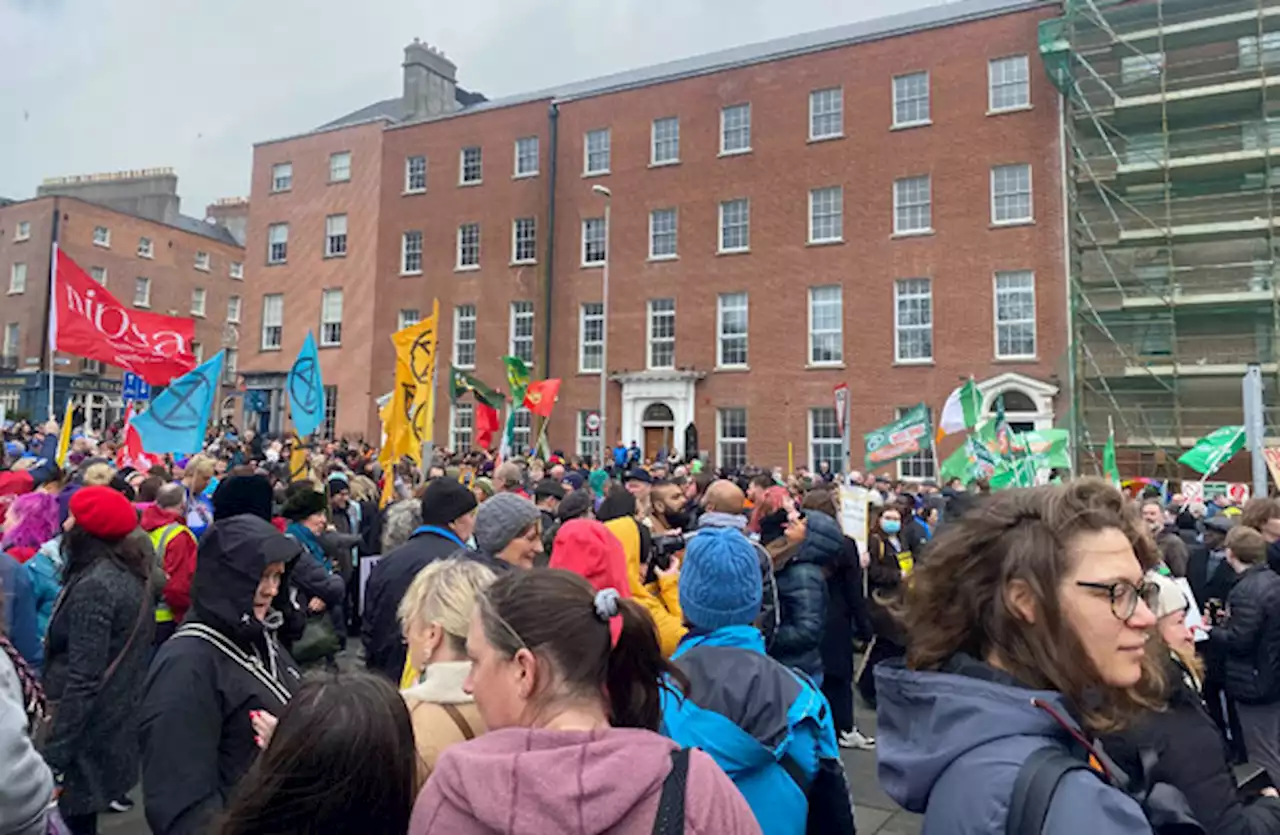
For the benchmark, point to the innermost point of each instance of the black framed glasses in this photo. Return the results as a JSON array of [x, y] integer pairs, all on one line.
[[1125, 596]]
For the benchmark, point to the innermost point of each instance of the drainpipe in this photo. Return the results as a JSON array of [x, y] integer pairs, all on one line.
[[553, 122]]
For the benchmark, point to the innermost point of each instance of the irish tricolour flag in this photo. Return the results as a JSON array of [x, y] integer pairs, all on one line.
[[961, 411]]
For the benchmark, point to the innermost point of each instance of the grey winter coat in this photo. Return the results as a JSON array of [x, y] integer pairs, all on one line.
[[950, 746], [94, 739], [26, 784]]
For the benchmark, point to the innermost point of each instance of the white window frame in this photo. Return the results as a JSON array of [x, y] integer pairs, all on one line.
[[405, 252], [898, 186], [202, 261], [462, 166], [331, 320], [22, 231], [722, 309], [995, 313], [723, 440], [838, 330], [465, 247], [102, 237], [588, 441], [743, 107], [197, 351], [338, 162], [673, 233], [1022, 85], [12, 339], [652, 341], [146, 247], [1016, 195], [335, 236], [18, 278], [235, 269], [521, 312], [281, 177], [235, 305], [230, 365], [516, 257], [903, 98], [821, 108], [906, 290], [272, 322], [583, 317], [99, 274], [410, 174], [590, 223], [461, 314], [199, 301], [522, 431], [408, 316], [589, 170], [918, 467], [665, 143], [720, 227], [460, 428], [537, 162], [142, 300], [837, 442], [274, 240], [820, 195]]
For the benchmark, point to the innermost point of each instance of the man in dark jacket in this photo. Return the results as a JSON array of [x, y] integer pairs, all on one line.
[[448, 517], [802, 589], [1173, 551], [1250, 643]]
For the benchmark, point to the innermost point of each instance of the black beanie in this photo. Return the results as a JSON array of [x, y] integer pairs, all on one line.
[[303, 503], [444, 501], [242, 494]]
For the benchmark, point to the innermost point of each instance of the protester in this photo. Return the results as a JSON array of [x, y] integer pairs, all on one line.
[[448, 519], [436, 616], [99, 640], [26, 783], [723, 507], [661, 596], [316, 576], [885, 574], [1173, 551], [588, 549], [547, 495], [546, 648], [1027, 630], [340, 759], [761, 722], [31, 521], [222, 664], [175, 548], [508, 532]]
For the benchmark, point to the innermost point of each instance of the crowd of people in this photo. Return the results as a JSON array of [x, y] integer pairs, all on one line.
[[550, 646]]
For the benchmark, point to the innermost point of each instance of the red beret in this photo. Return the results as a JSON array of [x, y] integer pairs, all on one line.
[[16, 483], [103, 512]]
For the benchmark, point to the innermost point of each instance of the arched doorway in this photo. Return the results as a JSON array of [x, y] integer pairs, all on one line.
[[1019, 410], [659, 424]]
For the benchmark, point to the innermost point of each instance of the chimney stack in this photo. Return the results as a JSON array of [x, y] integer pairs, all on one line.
[[430, 82]]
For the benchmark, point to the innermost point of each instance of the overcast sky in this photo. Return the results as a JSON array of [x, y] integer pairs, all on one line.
[[106, 85]]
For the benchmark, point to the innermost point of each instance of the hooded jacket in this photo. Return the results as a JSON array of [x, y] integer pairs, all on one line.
[[950, 745], [802, 595], [749, 713], [222, 662], [661, 599], [178, 559], [588, 549], [521, 780], [45, 572]]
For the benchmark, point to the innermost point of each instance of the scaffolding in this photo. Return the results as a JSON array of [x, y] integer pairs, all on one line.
[[1172, 134]]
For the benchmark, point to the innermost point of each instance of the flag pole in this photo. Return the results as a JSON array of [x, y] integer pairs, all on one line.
[[52, 319], [933, 447], [428, 446]]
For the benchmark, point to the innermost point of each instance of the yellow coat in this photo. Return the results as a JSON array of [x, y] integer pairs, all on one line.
[[661, 599]]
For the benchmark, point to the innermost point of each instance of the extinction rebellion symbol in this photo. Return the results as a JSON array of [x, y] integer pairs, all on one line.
[[184, 411], [304, 385]]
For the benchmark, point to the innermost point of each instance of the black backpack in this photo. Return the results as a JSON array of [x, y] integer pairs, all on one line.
[[830, 805]]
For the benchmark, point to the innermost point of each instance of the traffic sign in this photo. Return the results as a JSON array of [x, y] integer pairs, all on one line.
[[1193, 491], [134, 387], [593, 421], [1238, 493]]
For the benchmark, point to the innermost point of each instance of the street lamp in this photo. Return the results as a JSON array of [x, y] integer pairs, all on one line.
[[604, 192]]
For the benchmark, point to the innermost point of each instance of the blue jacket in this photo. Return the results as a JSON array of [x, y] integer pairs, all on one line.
[[20, 611], [950, 745], [45, 572], [802, 596], [749, 712]]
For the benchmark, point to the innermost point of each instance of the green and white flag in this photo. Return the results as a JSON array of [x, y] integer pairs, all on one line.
[[1214, 450], [907, 435], [1109, 469]]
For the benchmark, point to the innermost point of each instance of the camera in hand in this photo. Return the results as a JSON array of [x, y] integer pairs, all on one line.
[[661, 549]]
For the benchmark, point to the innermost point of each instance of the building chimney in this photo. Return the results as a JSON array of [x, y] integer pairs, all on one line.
[[430, 82], [232, 214]]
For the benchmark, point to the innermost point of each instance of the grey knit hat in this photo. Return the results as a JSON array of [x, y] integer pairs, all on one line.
[[501, 519]]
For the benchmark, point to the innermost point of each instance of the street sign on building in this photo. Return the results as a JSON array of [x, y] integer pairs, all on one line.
[[134, 387]]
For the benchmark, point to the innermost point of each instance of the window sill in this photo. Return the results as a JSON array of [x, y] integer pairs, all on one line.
[[276, 263], [731, 369], [743, 251], [339, 182], [470, 183], [410, 272], [913, 363], [826, 242], [330, 255], [409, 192], [266, 349], [16, 292], [735, 153], [102, 245], [20, 240], [525, 176], [523, 263], [197, 315], [280, 190], [917, 233], [582, 373], [142, 306], [592, 265], [813, 140], [603, 172], [1022, 108], [1012, 224], [150, 257], [323, 345], [1017, 360], [467, 268], [824, 366], [201, 269], [664, 164], [909, 125], [471, 367], [658, 259]]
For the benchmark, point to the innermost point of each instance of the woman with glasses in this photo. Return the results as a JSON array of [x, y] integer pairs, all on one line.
[[508, 532], [1027, 635], [567, 681]]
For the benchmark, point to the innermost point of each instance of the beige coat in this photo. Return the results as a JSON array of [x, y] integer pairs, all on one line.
[[434, 729]]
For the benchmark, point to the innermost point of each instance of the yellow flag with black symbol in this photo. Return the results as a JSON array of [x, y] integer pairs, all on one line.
[[416, 352], [299, 469], [397, 419]]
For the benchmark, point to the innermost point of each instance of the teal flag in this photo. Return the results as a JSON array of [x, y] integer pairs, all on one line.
[[306, 389], [1214, 449], [176, 421]]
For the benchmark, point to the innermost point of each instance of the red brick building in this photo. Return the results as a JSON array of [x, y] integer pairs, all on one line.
[[164, 262], [878, 204]]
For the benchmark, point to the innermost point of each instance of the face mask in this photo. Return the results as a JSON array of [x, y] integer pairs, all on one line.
[[891, 526]]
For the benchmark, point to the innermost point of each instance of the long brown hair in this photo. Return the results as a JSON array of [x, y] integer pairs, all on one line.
[[552, 613], [957, 599]]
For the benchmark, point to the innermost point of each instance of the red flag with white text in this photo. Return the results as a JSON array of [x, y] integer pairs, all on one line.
[[88, 321]]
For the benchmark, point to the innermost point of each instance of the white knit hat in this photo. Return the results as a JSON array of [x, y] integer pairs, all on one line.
[[1171, 597]]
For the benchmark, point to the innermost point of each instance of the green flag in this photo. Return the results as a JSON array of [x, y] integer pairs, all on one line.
[[908, 435], [1214, 449], [518, 381], [460, 382], [1109, 469]]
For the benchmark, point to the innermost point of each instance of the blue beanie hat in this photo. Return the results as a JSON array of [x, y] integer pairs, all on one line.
[[720, 580]]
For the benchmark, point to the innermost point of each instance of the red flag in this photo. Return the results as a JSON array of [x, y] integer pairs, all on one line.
[[540, 397], [89, 322], [486, 424], [130, 453]]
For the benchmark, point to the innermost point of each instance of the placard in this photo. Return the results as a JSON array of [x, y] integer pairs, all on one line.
[[853, 514]]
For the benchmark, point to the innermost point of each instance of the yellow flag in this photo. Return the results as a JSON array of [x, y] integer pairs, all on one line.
[[298, 465], [64, 436], [416, 351]]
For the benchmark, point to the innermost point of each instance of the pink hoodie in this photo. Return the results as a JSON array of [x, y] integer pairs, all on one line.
[[520, 781]]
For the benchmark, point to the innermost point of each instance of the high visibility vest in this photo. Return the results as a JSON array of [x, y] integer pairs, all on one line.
[[160, 539]]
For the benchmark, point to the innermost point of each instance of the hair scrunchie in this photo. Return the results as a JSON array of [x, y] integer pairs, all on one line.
[[608, 610]]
